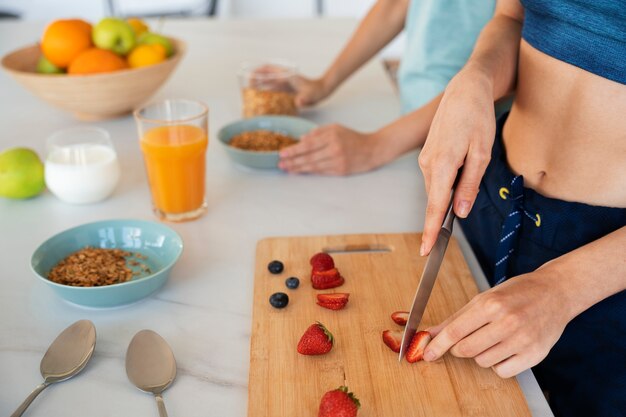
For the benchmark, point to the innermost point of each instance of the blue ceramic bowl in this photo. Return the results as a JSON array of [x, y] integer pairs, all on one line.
[[158, 243], [286, 125]]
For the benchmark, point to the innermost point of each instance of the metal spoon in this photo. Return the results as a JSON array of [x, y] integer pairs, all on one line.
[[66, 356], [150, 365]]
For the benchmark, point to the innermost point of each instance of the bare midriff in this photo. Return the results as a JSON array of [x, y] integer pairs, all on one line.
[[566, 133]]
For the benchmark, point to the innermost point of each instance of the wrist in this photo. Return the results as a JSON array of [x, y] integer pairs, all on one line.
[[329, 81], [571, 292], [476, 75], [380, 151]]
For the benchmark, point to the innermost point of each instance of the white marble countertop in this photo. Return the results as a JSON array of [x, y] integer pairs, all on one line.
[[204, 311]]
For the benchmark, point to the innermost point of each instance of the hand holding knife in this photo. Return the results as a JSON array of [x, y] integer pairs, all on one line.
[[429, 275]]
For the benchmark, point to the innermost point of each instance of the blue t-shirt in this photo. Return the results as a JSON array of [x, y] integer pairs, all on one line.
[[440, 38]]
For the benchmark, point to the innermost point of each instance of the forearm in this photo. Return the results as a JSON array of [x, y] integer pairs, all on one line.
[[590, 273], [494, 59], [382, 23], [406, 133]]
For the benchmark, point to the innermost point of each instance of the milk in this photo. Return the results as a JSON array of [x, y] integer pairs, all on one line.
[[82, 173]]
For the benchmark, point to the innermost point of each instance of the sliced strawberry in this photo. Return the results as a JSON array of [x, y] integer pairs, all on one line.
[[339, 403], [326, 279], [316, 340], [334, 301], [322, 262], [400, 317], [393, 339], [415, 352]]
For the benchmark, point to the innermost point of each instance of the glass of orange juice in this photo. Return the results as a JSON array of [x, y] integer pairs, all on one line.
[[174, 138]]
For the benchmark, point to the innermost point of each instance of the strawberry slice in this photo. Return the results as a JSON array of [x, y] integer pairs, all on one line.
[[400, 317], [334, 301], [322, 262], [415, 352], [316, 340], [393, 339], [323, 280]]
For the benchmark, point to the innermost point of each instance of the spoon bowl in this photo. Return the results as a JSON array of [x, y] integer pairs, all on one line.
[[67, 356], [69, 353], [150, 365]]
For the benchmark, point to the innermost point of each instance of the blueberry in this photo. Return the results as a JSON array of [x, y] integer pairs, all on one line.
[[292, 283], [275, 267], [279, 300]]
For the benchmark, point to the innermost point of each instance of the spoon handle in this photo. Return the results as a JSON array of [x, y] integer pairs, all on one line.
[[160, 405], [20, 410]]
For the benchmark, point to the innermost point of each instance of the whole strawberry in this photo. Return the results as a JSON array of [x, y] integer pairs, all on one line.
[[317, 340], [339, 403]]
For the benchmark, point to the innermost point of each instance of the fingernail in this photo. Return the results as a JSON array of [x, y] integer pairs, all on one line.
[[464, 208], [429, 355], [423, 249]]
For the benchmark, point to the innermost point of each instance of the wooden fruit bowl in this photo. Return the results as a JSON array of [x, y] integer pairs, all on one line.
[[96, 96]]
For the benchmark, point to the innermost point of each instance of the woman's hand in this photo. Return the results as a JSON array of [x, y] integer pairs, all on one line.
[[510, 327], [309, 91], [462, 134], [331, 150]]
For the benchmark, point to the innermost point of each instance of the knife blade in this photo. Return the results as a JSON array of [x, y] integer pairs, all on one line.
[[427, 281]]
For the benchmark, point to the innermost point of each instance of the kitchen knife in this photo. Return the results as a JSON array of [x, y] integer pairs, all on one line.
[[429, 275]]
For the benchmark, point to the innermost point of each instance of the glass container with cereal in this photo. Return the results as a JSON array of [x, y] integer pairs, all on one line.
[[267, 88]]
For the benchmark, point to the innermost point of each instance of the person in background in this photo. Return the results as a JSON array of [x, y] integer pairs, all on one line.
[[440, 39], [549, 223]]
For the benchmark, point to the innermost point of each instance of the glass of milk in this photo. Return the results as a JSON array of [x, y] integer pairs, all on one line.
[[81, 166]]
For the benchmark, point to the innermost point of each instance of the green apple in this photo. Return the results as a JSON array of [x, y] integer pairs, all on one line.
[[116, 35], [21, 173], [150, 38], [44, 66]]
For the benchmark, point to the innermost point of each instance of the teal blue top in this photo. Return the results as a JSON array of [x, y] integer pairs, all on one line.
[[440, 38], [588, 34]]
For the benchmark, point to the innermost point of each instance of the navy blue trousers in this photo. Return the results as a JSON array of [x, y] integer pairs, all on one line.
[[585, 372]]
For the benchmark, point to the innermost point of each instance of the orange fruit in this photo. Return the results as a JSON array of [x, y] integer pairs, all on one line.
[[138, 25], [144, 55], [64, 40], [96, 60]]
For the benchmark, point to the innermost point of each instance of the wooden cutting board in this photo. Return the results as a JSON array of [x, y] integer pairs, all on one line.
[[382, 272]]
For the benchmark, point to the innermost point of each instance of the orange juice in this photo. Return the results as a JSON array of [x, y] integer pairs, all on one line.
[[175, 162]]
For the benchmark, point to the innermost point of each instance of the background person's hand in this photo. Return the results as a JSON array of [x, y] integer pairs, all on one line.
[[330, 150], [510, 327], [309, 91], [462, 134]]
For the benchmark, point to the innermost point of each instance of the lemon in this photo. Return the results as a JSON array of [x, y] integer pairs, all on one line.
[[150, 38], [144, 55]]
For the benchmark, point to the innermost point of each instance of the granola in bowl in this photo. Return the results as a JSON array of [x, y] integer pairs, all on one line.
[[261, 140], [95, 267]]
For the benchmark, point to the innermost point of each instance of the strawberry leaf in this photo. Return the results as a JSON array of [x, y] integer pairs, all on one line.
[[328, 334]]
